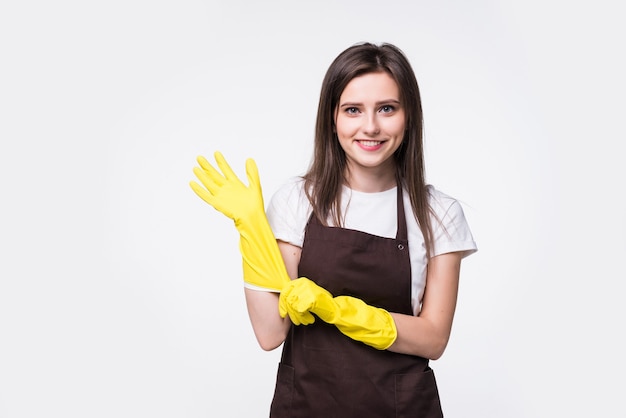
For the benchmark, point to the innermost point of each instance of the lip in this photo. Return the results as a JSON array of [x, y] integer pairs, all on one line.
[[365, 144]]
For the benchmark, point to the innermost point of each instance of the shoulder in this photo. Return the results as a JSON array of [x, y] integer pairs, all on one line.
[[288, 211], [450, 227], [439, 201], [444, 207], [291, 192]]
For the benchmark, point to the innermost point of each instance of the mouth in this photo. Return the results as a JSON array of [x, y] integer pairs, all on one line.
[[369, 143]]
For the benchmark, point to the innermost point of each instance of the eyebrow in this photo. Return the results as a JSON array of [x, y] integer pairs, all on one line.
[[381, 102]]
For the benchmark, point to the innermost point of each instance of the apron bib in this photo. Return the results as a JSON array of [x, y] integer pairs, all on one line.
[[323, 373]]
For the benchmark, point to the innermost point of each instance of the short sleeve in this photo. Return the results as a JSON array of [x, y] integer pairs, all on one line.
[[451, 231], [288, 212]]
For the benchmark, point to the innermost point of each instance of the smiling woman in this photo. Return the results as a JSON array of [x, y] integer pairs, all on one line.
[[370, 126], [372, 253]]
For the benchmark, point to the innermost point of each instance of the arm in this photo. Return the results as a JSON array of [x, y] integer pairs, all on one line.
[[263, 266], [427, 334], [269, 328], [264, 269]]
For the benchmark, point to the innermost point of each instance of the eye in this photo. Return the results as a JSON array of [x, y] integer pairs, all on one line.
[[387, 109], [352, 110]]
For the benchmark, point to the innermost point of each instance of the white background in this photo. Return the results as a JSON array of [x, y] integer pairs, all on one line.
[[121, 291]]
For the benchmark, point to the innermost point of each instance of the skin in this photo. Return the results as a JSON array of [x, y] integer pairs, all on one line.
[[370, 123]]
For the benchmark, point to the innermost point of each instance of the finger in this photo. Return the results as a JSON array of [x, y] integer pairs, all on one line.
[[282, 311], [223, 165], [252, 172], [299, 302], [213, 174], [307, 318], [295, 318], [301, 318], [202, 192], [210, 198], [283, 307], [207, 180]]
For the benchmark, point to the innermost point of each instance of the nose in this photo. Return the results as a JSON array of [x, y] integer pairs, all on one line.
[[370, 125]]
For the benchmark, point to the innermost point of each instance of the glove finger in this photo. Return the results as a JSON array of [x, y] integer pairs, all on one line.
[[209, 198], [211, 172], [307, 318], [299, 304], [202, 192], [253, 175], [283, 304], [295, 318], [228, 172], [285, 308], [282, 307], [209, 194], [301, 318], [206, 180], [300, 297]]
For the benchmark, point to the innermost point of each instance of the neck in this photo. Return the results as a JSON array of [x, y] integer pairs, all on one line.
[[372, 180]]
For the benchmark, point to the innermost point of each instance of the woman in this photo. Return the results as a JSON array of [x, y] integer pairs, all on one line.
[[373, 252]]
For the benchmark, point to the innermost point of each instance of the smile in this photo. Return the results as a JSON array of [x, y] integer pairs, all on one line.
[[370, 143]]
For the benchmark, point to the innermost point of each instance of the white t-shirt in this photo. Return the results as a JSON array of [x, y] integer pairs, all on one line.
[[376, 213]]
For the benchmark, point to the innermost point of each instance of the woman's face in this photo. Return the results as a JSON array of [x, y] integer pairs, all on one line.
[[370, 123]]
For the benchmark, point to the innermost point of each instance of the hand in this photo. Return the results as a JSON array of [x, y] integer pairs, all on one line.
[[226, 193], [353, 317], [263, 265], [298, 297]]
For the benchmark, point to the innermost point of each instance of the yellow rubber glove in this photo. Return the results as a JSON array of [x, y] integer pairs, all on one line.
[[353, 317], [263, 266]]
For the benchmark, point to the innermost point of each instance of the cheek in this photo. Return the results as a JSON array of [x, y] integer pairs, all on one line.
[[346, 126], [395, 127]]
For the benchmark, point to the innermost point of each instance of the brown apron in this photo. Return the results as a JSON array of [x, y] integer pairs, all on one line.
[[324, 373]]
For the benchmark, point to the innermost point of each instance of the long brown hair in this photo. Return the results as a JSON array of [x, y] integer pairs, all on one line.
[[325, 176]]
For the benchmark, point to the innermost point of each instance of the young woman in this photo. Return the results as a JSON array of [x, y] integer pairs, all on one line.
[[374, 254]]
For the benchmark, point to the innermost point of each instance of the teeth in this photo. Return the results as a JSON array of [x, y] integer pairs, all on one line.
[[371, 143]]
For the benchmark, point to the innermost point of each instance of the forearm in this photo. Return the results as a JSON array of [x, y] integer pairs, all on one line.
[[263, 266], [419, 336], [269, 328], [427, 335]]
